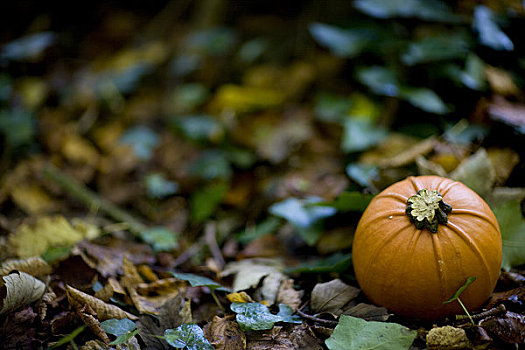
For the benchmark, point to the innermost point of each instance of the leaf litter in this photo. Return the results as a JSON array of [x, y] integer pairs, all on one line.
[[195, 182]]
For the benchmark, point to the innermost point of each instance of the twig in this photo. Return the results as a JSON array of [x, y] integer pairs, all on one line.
[[317, 319], [495, 311], [211, 240], [188, 253], [91, 199]]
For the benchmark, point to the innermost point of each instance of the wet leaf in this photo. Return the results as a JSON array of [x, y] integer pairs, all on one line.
[[381, 80], [188, 336], [19, 289], [489, 32], [512, 226], [256, 316], [425, 99], [198, 281], [355, 333], [428, 10], [123, 329], [332, 296], [342, 43], [363, 174]]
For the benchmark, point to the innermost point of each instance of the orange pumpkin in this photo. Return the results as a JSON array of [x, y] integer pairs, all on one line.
[[418, 242]]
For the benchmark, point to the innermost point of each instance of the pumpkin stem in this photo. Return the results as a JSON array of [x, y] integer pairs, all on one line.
[[426, 209]]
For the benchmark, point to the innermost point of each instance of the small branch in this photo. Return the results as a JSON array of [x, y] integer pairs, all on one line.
[[211, 240], [91, 199], [317, 319], [495, 311]]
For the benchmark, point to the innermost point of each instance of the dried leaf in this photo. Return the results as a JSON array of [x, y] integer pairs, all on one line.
[[19, 289], [332, 296], [249, 272], [103, 310], [31, 198], [409, 155], [510, 328], [284, 338], [225, 334], [149, 297], [367, 312], [239, 297], [35, 266], [476, 172], [503, 161], [288, 295]]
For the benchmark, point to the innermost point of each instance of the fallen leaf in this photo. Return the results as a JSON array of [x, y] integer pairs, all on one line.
[[19, 289], [476, 172], [289, 337], [270, 287], [503, 161], [50, 231], [367, 312], [332, 296], [32, 198], [225, 334], [288, 295], [103, 310], [510, 329], [249, 272], [35, 266], [149, 297], [355, 333], [189, 336], [512, 225], [239, 297]]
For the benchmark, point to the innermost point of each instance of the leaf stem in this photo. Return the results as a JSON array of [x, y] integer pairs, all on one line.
[[466, 311], [217, 301]]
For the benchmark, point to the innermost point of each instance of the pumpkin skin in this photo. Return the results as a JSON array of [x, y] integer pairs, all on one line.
[[413, 271]]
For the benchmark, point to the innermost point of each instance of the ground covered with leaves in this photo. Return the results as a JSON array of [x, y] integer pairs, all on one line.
[[190, 174]]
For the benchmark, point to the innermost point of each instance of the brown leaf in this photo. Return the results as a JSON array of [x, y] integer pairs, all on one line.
[[225, 334], [103, 310], [331, 296], [367, 312], [19, 330], [288, 295], [35, 266], [503, 161], [512, 114], [86, 314], [284, 338], [18, 289], [510, 328], [149, 297]]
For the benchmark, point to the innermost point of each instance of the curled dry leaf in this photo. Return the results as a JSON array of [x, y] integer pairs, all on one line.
[[104, 311], [283, 338], [149, 297], [19, 289], [35, 266], [332, 296], [225, 334]]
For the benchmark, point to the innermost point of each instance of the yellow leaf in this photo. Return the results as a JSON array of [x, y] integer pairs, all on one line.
[[35, 266], [243, 99], [77, 149], [34, 239], [33, 91], [32, 199], [239, 297], [363, 107]]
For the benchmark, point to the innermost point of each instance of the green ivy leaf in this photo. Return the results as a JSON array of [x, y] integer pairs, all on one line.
[[199, 281], [256, 316], [124, 329], [436, 48], [512, 227], [355, 333], [189, 336], [425, 99], [381, 80], [342, 43]]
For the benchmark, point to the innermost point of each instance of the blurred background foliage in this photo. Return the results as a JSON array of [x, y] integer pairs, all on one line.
[[247, 111]]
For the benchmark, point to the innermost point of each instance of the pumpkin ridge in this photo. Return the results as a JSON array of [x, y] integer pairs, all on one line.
[[402, 199], [416, 185], [438, 254], [448, 186], [478, 214], [463, 235]]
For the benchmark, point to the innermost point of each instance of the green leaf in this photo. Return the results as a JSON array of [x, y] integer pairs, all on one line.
[[198, 127], [142, 139], [342, 43], [424, 9], [355, 333], [267, 226], [160, 238], [350, 201], [204, 201], [212, 42], [436, 48], [158, 187], [473, 76], [361, 134], [469, 281], [256, 316], [286, 314], [121, 339], [331, 108], [381, 80], [17, 126], [337, 262], [69, 337], [512, 227], [199, 281], [363, 174], [189, 336], [211, 165], [425, 99], [187, 97], [118, 327], [489, 32]]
